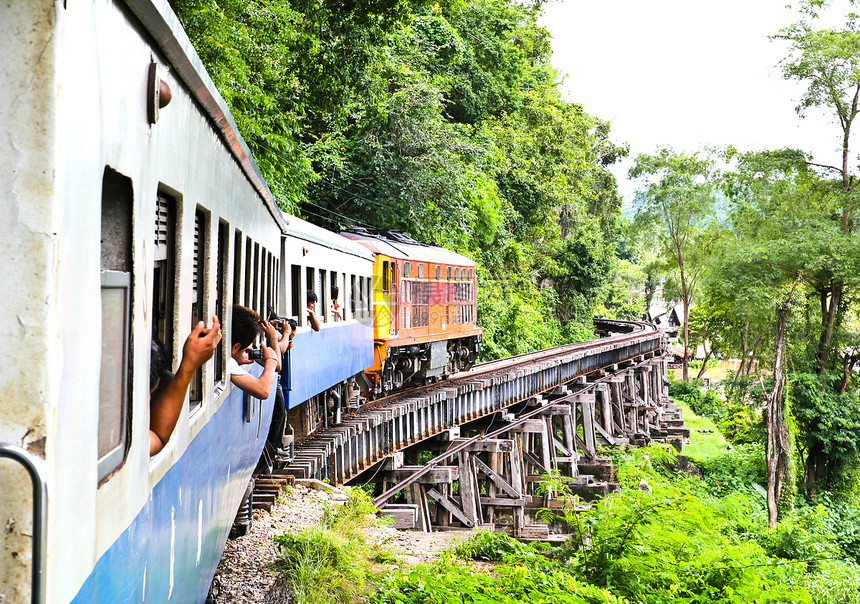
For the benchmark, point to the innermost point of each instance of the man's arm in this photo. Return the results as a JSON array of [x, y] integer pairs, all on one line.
[[164, 411], [259, 387], [272, 339], [312, 319], [286, 340]]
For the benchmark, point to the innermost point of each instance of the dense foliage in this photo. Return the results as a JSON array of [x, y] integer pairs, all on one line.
[[443, 120]]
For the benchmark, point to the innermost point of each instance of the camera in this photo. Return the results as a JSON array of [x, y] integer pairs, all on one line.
[[274, 318], [255, 354]]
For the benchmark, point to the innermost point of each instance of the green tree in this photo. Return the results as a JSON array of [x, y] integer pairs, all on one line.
[[677, 190], [827, 61]]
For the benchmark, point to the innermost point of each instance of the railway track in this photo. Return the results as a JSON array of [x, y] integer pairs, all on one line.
[[387, 425], [502, 425]]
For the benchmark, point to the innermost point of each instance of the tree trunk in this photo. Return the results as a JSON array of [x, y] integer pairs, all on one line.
[[831, 298], [704, 364], [776, 450], [848, 362]]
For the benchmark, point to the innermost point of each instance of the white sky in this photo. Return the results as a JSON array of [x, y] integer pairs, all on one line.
[[684, 73]]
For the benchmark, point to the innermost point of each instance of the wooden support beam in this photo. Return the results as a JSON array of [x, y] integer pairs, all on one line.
[[500, 482], [452, 507]]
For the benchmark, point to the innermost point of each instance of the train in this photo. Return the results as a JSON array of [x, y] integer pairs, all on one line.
[[134, 210]]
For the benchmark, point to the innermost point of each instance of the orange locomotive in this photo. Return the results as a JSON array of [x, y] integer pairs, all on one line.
[[424, 301]]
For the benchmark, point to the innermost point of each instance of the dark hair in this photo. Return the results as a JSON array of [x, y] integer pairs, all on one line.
[[335, 290], [312, 296], [246, 326], [159, 369]]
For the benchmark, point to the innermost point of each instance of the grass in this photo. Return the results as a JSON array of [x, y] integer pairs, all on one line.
[[702, 446], [330, 563]]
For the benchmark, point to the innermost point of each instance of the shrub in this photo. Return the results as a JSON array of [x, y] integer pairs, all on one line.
[[670, 545], [491, 546], [543, 582], [834, 582], [329, 563], [734, 471], [706, 404]]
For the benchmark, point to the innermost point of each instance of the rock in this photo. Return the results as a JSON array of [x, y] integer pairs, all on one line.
[[682, 464]]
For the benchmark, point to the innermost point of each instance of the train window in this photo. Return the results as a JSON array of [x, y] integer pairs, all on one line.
[[263, 272], [405, 269], [199, 282], [164, 267], [368, 296], [220, 302], [438, 272], [324, 299], [386, 283], [310, 285], [343, 297], [255, 290], [116, 283], [296, 292], [352, 296], [456, 274], [420, 271], [335, 290], [246, 301], [270, 282], [449, 273], [237, 271], [276, 298], [470, 274]]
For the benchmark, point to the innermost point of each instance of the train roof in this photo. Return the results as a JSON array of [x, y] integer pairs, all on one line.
[[398, 245], [302, 229], [168, 35]]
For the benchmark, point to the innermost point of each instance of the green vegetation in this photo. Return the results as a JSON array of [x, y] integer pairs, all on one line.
[[445, 121], [330, 563]]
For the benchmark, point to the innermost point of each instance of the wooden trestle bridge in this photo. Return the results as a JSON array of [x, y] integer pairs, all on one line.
[[469, 451]]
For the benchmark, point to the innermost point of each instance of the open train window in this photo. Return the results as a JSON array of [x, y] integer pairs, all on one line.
[[199, 283], [249, 249], [116, 285], [164, 272], [310, 285], [323, 296], [386, 283], [255, 268], [237, 271], [220, 286], [296, 292], [334, 288]]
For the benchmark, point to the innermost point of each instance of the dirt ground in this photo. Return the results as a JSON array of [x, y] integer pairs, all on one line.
[[245, 576]]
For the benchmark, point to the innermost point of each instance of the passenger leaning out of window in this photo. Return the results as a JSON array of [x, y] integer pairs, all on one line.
[[336, 311], [167, 391], [245, 329], [312, 317]]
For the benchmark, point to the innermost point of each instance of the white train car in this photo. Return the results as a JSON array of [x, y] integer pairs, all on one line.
[[326, 367], [124, 218]]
